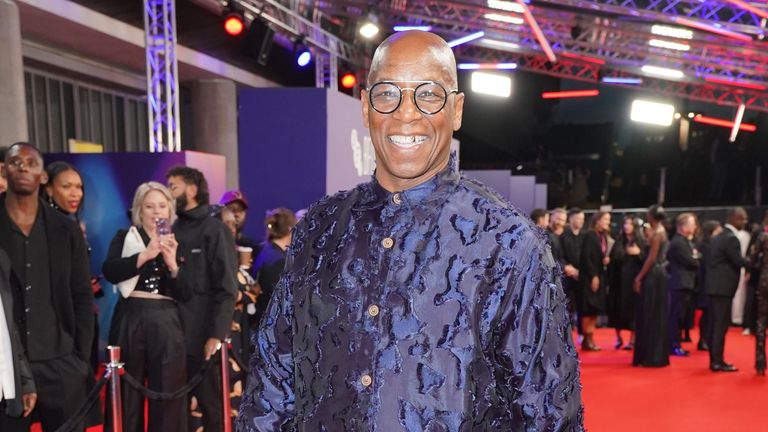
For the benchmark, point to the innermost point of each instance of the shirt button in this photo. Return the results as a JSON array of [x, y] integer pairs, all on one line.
[[373, 310], [29, 265], [366, 380], [28, 287], [388, 243], [396, 199], [26, 310]]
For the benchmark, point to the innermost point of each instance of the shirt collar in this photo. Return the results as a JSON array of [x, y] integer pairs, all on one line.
[[433, 190], [732, 228]]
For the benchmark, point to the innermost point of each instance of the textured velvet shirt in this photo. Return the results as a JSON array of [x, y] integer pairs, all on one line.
[[438, 308]]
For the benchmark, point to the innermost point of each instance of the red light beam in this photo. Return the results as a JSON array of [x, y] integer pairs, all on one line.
[[723, 123], [570, 94], [537, 32]]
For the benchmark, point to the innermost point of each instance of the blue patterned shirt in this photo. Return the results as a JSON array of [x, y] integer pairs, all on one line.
[[438, 308]]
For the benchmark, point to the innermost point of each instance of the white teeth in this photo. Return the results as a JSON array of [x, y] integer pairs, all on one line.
[[407, 141]]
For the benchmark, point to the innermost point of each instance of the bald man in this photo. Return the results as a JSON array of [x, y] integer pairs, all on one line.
[[419, 301]]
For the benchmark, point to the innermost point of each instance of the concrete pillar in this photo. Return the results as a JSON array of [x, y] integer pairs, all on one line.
[[214, 124], [13, 121]]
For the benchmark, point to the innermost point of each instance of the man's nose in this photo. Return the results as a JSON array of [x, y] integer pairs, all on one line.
[[408, 111]]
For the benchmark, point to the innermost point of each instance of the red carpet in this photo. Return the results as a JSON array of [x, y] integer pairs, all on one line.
[[684, 396]]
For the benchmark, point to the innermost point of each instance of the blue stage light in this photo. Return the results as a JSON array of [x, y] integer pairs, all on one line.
[[303, 57]]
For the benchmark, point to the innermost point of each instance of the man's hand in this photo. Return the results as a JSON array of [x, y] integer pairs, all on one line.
[[29, 400], [637, 285], [595, 283], [211, 346]]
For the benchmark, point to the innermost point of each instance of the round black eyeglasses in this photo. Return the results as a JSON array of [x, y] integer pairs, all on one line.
[[429, 97]]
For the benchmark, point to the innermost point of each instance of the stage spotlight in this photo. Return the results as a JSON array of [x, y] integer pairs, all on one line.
[[301, 52], [348, 80], [370, 27], [234, 20], [491, 84], [652, 112]]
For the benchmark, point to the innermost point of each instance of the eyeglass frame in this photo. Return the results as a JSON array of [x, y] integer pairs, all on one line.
[[415, 103]]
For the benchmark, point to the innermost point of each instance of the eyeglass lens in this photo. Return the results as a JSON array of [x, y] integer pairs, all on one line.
[[429, 97]]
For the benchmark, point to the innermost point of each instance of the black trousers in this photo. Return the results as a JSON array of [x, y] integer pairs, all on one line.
[[761, 321], [720, 308], [151, 339], [13, 424], [208, 392], [61, 385], [681, 310]]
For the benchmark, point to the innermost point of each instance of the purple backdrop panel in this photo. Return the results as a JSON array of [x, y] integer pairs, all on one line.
[[540, 200], [522, 192], [214, 167], [350, 158], [282, 151], [496, 180]]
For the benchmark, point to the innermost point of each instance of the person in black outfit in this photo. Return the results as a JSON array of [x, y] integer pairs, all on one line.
[[554, 231], [235, 202], [652, 314], [571, 240], [683, 258], [17, 403], [540, 218], [146, 324], [723, 273], [626, 261], [709, 230], [594, 276], [51, 282], [269, 264], [207, 250], [759, 265]]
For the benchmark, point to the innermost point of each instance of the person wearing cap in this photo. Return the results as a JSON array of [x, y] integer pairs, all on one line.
[[418, 301], [236, 202]]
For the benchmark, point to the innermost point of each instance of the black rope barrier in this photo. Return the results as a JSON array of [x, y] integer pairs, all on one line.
[[92, 397], [152, 394]]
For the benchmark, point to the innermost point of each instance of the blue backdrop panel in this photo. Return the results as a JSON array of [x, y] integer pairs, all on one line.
[[282, 152]]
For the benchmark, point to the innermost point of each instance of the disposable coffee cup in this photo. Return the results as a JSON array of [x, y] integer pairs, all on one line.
[[246, 255]]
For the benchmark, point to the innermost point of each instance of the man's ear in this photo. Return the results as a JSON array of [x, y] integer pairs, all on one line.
[[191, 191], [458, 111], [44, 178], [366, 108]]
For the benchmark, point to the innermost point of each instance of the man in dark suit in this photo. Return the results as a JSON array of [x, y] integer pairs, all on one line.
[[51, 284], [683, 267], [18, 400], [723, 271]]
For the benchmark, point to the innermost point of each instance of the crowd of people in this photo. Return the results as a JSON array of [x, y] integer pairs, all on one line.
[[649, 277], [188, 278]]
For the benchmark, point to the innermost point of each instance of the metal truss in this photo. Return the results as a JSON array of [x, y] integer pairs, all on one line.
[[162, 76], [287, 15], [594, 38], [326, 71], [592, 73]]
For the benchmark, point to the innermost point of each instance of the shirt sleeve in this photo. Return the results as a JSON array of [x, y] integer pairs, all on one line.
[[222, 261], [537, 366], [268, 402]]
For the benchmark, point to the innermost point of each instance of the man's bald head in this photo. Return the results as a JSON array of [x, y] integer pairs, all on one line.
[[415, 46]]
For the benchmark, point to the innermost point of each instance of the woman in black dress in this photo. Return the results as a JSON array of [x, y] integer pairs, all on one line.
[[760, 270], [652, 319], [626, 262], [594, 276]]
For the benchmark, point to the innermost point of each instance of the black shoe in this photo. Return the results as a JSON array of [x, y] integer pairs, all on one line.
[[703, 346], [761, 372], [618, 343], [679, 352], [723, 367], [628, 347]]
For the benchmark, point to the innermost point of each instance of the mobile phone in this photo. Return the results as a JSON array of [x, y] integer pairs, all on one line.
[[162, 226]]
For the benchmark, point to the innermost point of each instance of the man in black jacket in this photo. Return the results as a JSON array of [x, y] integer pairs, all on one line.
[[683, 267], [51, 284], [18, 399], [207, 250], [723, 273]]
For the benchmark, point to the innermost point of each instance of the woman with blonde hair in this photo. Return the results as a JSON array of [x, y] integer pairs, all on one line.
[[146, 325]]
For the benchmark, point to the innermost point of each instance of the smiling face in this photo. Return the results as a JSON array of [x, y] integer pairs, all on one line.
[[412, 147], [66, 190]]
